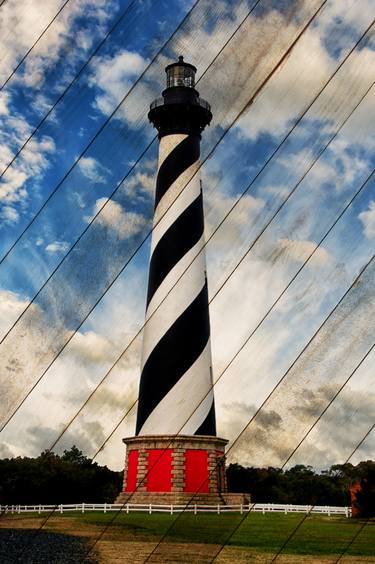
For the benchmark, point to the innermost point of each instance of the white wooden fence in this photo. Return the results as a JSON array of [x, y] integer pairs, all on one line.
[[193, 508]]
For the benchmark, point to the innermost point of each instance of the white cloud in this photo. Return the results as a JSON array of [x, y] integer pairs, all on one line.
[[343, 425], [24, 28], [92, 169], [298, 251], [368, 220], [139, 186], [4, 103], [345, 160], [142, 182], [11, 306], [124, 224], [78, 199], [9, 214], [57, 247], [32, 162], [5, 155], [41, 104], [92, 347], [307, 67], [113, 76], [8, 450], [237, 221], [279, 191]]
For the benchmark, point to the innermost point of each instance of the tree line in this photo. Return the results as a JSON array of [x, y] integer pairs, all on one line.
[[51, 479], [304, 485], [74, 478]]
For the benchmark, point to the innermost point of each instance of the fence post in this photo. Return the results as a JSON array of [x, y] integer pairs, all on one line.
[[218, 508], [105, 507], [19, 509], [171, 509], [83, 507], [150, 509], [241, 509], [127, 508], [61, 509], [195, 509], [264, 510]]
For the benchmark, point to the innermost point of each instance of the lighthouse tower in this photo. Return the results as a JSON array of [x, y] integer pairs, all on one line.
[[176, 452]]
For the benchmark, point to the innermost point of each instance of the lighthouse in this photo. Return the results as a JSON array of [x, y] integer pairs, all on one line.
[[176, 358], [175, 451]]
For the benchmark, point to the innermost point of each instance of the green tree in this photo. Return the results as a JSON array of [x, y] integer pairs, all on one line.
[[75, 456]]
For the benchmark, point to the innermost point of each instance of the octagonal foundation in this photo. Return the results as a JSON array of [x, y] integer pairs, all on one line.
[[163, 469]]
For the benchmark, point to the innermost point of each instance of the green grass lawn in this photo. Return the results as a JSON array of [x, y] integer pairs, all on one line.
[[317, 535]]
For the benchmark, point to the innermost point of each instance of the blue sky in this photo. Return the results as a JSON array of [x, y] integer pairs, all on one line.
[[231, 63]]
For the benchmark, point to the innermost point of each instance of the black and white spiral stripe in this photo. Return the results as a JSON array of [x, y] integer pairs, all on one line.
[[176, 380]]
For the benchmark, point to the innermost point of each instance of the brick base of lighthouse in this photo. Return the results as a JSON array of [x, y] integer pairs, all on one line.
[[163, 469]]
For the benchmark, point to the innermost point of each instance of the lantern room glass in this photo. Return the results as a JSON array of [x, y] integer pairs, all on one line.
[[180, 75]]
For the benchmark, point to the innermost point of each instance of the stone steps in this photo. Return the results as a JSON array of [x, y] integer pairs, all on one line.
[[181, 498]]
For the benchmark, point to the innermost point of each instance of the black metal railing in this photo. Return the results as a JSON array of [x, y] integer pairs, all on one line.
[[160, 102]]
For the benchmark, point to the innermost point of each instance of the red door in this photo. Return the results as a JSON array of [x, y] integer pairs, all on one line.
[[159, 467], [196, 471], [131, 475]]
